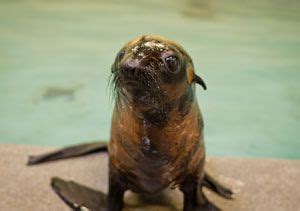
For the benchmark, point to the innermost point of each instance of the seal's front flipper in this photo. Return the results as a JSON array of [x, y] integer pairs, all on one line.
[[68, 152], [77, 196], [215, 186]]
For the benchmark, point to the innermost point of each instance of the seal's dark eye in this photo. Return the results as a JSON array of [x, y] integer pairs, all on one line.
[[172, 63], [121, 55]]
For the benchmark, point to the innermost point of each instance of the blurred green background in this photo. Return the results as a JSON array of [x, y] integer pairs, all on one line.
[[55, 58]]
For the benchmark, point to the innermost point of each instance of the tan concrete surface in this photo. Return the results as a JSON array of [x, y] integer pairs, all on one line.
[[260, 184]]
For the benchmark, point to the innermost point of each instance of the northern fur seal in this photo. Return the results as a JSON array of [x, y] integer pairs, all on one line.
[[157, 127]]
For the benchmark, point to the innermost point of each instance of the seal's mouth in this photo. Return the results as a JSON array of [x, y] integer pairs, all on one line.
[[134, 84], [135, 78], [142, 86]]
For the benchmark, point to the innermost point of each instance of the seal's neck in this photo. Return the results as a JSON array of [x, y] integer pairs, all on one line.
[[160, 114]]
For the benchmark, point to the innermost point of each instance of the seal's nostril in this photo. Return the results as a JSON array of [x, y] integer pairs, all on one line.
[[132, 63], [130, 66]]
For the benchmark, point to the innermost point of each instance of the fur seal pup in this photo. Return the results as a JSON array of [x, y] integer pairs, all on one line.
[[157, 128]]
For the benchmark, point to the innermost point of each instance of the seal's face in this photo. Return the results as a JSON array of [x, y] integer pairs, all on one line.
[[152, 72], [146, 68]]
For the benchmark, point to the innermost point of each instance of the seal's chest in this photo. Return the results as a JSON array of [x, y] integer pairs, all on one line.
[[153, 172], [151, 154], [148, 147]]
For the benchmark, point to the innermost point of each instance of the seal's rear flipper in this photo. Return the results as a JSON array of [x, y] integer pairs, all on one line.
[[69, 152], [77, 196], [215, 186]]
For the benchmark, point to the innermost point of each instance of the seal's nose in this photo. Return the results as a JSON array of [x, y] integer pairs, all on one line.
[[130, 65]]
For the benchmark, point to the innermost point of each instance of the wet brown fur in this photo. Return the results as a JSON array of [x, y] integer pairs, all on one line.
[[148, 157]]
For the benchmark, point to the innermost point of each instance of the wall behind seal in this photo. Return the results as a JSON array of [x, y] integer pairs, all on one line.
[[55, 59]]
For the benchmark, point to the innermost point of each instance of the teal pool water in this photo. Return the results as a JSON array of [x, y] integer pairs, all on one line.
[[55, 59]]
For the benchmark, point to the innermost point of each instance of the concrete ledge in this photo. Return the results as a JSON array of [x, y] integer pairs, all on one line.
[[260, 184]]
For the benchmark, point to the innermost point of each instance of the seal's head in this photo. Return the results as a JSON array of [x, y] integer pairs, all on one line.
[[153, 73]]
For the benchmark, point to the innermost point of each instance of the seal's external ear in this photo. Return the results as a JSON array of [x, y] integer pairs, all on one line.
[[200, 81], [192, 77]]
